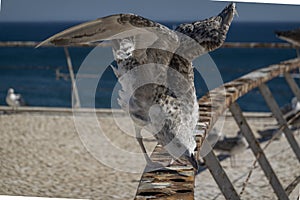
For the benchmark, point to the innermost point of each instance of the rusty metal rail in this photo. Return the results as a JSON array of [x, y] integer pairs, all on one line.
[[177, 181]]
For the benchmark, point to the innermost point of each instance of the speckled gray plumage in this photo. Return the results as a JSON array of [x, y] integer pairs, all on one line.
[[155, 69]]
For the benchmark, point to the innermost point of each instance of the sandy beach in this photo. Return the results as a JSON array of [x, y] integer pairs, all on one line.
[[42, 155]]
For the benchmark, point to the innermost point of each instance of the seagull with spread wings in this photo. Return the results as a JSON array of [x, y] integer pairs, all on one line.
[[155, 71]]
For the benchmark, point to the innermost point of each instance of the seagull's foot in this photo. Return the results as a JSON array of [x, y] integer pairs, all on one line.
[[177, 161]]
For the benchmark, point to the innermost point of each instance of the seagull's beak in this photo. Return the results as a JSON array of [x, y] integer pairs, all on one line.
[[235, 12], [228, 13]]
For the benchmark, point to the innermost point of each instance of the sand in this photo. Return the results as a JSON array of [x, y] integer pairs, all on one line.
[[42, 155]]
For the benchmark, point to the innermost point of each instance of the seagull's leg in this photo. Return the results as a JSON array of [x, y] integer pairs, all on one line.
[[233, 161], [150, 164], [140, 141]]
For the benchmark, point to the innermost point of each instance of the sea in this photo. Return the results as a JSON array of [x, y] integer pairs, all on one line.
[[32, 71]]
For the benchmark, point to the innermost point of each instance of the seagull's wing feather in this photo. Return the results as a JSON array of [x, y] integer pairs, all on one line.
[[136, 41], [210, 33], [21, 100], [18, 96], [106, 28], [207, 32]]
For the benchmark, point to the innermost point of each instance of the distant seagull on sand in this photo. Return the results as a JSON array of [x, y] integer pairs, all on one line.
[[289, 112], [295, 105], [232, 146], [14, 100], [148, 51], [292, 36], [214, 136]]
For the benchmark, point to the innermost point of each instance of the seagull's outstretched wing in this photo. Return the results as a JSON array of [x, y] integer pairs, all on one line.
[[112, 27], [136, 41], [210, 33]]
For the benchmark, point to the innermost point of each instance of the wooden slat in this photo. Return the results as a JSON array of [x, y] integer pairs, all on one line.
[[266, 93], [62, 110], [176, 182], [257, 151], [105, 44], [33, 44], [210, 109], [219, 174], [251, 45], [293, 85], [289, 189], [71, 72]]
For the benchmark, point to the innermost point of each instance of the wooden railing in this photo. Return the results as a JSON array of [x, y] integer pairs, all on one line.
[[225, 45], [177, 182]]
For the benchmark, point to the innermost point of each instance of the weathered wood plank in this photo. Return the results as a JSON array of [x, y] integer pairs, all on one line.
[[219, 174], [293, 85], [71, 72], [257, 151], [257, 45], [238, 88], [33, 44], [289, 189], [266, 93], [281, 45], [175, 182]]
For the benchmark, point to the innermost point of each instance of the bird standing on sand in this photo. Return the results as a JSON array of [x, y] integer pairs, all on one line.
[[232, 146], [291, 115], [14, 100], [155, 71], [214, 136]]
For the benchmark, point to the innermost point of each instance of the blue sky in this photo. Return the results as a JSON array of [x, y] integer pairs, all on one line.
[[162, 10]]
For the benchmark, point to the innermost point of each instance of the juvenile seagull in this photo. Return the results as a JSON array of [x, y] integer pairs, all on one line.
[[155, 71], [14, 100]]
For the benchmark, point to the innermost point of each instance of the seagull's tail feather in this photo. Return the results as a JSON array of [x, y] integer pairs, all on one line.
[[21, 100]]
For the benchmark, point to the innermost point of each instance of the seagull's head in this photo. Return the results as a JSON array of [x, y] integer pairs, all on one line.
[[183, 148], [228, 13], [10, 91]]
